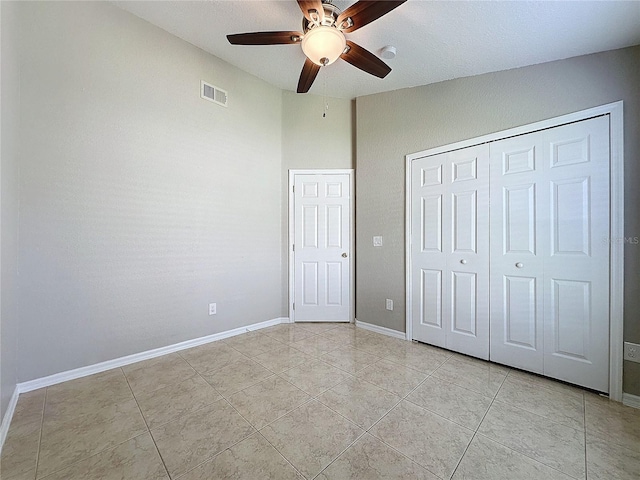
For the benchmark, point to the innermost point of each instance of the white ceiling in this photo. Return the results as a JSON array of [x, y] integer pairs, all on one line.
[[436, 40]]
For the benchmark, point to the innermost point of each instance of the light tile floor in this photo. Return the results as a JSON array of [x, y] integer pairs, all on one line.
[[326, 401]]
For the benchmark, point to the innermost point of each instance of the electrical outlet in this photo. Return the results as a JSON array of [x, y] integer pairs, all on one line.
[[377, 241], [632, 352], [389, 304], [212, 309]]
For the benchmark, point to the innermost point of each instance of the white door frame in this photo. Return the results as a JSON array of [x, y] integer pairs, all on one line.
[[352, 249], [616, 233]]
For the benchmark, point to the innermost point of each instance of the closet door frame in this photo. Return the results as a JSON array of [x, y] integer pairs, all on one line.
[[616, 233]]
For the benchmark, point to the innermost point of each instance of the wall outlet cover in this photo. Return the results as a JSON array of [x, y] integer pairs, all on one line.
[[212, 309], [377, 241], [632, 352], [389, 304]]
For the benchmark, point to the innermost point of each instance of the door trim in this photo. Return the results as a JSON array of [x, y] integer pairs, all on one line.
[[291, 235], [616, 232]]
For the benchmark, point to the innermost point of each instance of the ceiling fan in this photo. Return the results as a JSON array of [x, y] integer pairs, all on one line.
[[322, 37]]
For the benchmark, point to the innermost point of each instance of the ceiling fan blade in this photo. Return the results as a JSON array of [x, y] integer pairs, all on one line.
[[265, 38], [308, 6], [365, 60], [365, 12], [308, 75]]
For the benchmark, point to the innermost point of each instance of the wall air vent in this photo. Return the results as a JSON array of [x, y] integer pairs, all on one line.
[[213, 93]]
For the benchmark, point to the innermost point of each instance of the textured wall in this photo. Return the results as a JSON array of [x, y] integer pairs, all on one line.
[[140, 202], [391, 125], [311, 141], [9, 203]]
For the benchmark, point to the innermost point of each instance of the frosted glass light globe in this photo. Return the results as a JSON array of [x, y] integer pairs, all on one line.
[[323, 45]]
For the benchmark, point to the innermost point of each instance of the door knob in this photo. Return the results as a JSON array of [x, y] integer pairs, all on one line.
[[519, 265], [463, 261], [344, 255]]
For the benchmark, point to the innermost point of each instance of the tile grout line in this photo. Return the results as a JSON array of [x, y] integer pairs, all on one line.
[[112, 447], [532, 413], [108, 449], [312, 398], [222, 397], [279, 453], [215, 455], [256, 431], [145, 420], [475, 432], [521, 452], [44, 406], [368, 431], [364, 432]]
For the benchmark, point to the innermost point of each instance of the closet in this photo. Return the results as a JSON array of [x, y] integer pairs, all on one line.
[[509, 251]]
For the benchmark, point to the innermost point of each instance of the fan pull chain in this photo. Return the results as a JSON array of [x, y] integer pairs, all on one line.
[[325, 104]]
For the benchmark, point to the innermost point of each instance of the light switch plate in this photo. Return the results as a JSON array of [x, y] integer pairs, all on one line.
[[377, 241]]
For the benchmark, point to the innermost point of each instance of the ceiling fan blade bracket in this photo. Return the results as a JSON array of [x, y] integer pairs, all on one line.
[[346, 23], [315, 17], [312, 10]]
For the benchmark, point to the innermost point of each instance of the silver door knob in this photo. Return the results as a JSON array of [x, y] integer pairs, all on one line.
[[519, 265], [463, 261], [344, 255]]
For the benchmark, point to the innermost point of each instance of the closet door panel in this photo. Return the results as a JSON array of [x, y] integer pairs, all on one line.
[[468, 252], [576, 288], [428, 253], [450, 250], [517, 233]]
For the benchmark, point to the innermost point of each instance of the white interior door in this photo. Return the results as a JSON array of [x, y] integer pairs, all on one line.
[[519, 227], [450, 250], [550, 254], [322, 247], [576, 270]]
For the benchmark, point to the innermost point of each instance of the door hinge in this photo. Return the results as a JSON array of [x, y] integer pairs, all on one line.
[[294, 189], [294, 306], [294, 247]]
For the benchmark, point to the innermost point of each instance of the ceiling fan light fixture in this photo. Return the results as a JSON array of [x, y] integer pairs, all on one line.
[[323, 45]]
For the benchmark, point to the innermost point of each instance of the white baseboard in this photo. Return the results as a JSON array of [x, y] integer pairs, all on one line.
[[8, 416], [631, 400], [383, 330], [137, 357]]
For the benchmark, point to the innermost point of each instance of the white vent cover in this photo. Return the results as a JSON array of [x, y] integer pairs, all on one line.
[[213, 93]]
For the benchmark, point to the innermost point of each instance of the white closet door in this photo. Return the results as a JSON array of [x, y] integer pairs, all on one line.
[[576, 289], [550, 254], [518, 232], [450, 250]]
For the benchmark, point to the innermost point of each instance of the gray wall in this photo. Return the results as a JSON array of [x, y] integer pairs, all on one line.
[[9, 203], [303, 127], [140, 202], [391, 125]]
